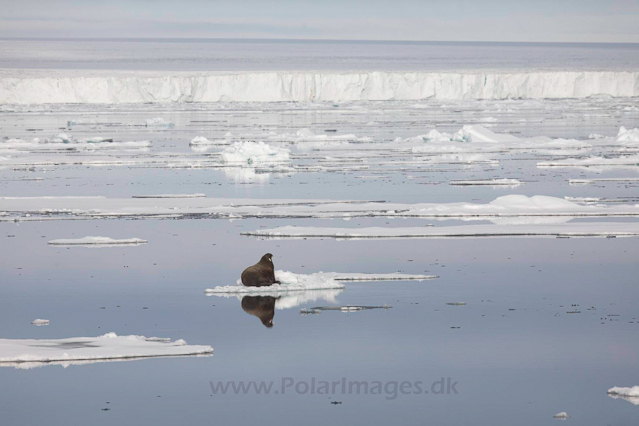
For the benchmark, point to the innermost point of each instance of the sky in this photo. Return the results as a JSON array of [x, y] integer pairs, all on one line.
[[436, 20]]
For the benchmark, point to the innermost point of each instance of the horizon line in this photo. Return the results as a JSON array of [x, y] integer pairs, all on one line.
[[294, 40]]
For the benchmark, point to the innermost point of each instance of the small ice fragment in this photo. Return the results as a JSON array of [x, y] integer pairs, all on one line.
[[562, 415], [159, 122], [40, 322], [456, 303]]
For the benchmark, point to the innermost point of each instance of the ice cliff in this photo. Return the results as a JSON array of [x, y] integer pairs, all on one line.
[[37, 87]]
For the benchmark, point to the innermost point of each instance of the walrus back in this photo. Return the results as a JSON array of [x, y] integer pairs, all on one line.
[[257, 276]]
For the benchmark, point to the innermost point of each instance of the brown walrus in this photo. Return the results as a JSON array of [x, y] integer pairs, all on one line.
[[260, 274], [262, 307]]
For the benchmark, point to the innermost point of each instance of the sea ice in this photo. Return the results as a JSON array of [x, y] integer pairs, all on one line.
[[289, 282], [40, 322], [26, 354], [98, 241], [562, 415], [253, 153], [580, 229], [159, 122]]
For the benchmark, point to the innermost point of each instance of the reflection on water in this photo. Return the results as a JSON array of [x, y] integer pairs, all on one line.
[[246, 175], [262, 307]]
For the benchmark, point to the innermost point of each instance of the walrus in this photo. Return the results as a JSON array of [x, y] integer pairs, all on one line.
[[262, 307], [260, 274]]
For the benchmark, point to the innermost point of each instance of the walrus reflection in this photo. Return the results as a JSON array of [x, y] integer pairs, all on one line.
[[260, 274], [262, 307]]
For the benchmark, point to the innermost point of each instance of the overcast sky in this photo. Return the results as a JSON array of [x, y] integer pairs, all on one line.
[[455, 20]]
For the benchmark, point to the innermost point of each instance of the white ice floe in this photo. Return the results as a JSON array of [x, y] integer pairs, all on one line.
[[620, 161], [396, 276], [159, 122], [109, 87], [589, 181], [506, 206], [289, 282], [621, 391], [253, 153], [487, 182], [40, 322], [29, 353], [201, 141], [197, 195], [580, 229], [98, 242], [628, 394], [562, 415]]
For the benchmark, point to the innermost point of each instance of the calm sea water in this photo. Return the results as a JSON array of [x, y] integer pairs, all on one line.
[[516, 354], [243, 55]]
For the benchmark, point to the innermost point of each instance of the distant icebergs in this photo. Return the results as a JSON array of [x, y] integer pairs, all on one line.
[[98, 242], [28, 353]]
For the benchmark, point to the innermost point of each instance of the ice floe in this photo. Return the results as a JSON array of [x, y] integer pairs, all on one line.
[[98, 241], [159, 122], [630, 394], [197, 195], [620, 161], [289, 282], [581, 229], [563, 415], [28, 353], [253, 153], [486, 182], [100, 207], [40, 322]]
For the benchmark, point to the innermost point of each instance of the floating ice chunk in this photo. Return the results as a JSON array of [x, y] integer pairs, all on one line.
[[581, 229], [201, 141], [289, 282], [396, 276], [621, 391], [489, 182], [159, 122], [627, 161], [589, 181], [595, 136], [627, 394], [252, 153], [625, 135], [97, 241], [27, 354], [198, 195], [562, 415], [40, 322], [456, 303]]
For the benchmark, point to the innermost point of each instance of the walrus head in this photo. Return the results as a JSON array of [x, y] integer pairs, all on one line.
[[267, 259]]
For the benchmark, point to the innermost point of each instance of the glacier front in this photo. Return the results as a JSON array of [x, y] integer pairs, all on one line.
[[113, 87]]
